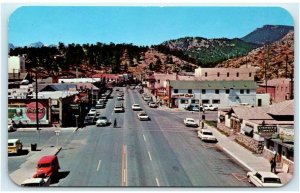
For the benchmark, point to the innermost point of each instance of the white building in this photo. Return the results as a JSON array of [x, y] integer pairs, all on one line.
[[16, 64], [219, 93]]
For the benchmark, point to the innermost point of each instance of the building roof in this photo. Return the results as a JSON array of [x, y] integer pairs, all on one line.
[[282, 108], [17, 76], [237, 84], [56, 87], [113, 76], [252, 113]]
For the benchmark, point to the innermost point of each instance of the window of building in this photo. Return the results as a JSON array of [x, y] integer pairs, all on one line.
[[190, 91], [195, 101], [175, 90], [205, 74], [158, 81], [218, 74], [205, 101], [237, 74], [250, 74], [227, 74], [215, 101], [242, 91], [217, 91], [184, 101], [281, 88], [203, 91], [248, 91], [227, 91]]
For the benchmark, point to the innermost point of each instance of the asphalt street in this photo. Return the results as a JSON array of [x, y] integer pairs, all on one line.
[[160, 152]]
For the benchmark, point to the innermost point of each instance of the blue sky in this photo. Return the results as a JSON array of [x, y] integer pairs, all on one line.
[[137, 25]]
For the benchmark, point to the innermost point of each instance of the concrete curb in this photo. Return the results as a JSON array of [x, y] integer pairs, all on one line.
[[58, 151]]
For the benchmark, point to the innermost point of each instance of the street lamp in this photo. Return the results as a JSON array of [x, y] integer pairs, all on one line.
[[57, 132]]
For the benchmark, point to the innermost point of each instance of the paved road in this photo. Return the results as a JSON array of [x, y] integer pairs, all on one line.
[[160, 152]]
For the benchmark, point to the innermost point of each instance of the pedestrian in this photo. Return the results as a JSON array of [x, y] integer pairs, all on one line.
[[115, 123], [273, 165], [202, 124]]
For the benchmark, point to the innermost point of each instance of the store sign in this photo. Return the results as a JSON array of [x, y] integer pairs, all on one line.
[[183, 96], [267, 129], [31, 111]]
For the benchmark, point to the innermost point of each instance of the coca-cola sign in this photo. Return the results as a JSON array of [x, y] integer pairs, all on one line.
[[31, 111]]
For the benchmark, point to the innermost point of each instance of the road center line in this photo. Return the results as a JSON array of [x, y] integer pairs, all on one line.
[[124, 166], [149, 156], [144, 137], [157, 182], [98, 167]]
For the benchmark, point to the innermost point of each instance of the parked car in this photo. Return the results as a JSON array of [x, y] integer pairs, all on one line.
[[89, 120], [119, 109], [11, 127], [36, 182], [209, 107], [194, 107], [147, 98], [190, 122], [136, 107], [265, 179], [14, 145], [119, 98], [47, 166], [206, 135], [142, 116], [153, 105], [92, 110], [102, 121]]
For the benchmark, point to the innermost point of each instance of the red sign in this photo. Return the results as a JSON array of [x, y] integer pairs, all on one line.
[[31, 111]]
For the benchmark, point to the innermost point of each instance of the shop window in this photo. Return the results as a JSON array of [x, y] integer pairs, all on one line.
[[250, 74], [184, 101], [190, 91], [248, 91], [242, 91], [205, 101], [205, 74], [203, 91], [227, 91], [175, 90], [217, 91], [216, 101]]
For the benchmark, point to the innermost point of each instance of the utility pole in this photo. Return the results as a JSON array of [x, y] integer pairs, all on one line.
[[266, 66], [36, 100]]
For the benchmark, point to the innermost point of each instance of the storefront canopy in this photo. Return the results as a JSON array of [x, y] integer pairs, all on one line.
[[248, 129]]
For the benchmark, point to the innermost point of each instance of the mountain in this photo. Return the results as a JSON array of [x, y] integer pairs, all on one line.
[[281, 59], [11, 46], [208, 52], [36, 45], [267, 34]]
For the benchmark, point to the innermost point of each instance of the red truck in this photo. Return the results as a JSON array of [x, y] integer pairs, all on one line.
[[47, 166]]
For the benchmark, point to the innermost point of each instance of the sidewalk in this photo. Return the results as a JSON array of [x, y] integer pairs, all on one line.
[[250, 161], [47, 128], [28, 168]]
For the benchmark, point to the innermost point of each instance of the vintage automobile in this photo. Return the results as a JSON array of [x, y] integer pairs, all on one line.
[[136, 107], [102, 121], [14, 146], [47, 166], [206, 135], [190, 122], [36, 182], [142, 116], [264, 179]]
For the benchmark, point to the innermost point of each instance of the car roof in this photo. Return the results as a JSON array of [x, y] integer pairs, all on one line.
[[268, 174], [12, 140], [47, 159], [136, 104], [188, 118]]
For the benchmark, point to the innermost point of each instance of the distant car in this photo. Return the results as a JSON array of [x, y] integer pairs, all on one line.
[[153, 105], [93, 109], [190, 122], [119, 98], [136, 107], [142, 116], [102, 121], [265, 179], [147, 98], [206, 135], [89, 120], [194, 107], [119, 109], [208, 107]]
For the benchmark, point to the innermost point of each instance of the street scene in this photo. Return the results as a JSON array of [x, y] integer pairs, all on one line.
[[185, 112]]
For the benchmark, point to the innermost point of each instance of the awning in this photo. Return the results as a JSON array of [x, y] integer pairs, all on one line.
[[248, 129]]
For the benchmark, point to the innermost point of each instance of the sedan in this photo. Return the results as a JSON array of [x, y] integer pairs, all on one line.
[[119, 109], [153, 105], [142, 116], [190, 122], [206, 135], [136, 107], [265, 179], [102, 121]]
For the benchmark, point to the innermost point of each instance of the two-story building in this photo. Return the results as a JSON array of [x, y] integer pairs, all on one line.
[[219, 93]]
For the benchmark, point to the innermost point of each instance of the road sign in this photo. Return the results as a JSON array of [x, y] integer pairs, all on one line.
[[267, 129]]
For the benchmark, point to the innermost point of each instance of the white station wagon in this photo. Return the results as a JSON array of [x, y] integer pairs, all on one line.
[[265, 179], [206, 135]]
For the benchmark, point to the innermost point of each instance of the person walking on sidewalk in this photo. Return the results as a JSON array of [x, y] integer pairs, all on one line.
[[273, 165], [115, 123]]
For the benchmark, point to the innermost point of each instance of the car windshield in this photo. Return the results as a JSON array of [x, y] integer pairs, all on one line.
[[102, 118], [10, 144], [43, 165], [272, 180], [136, 105], [190, 120], [207, 133]]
